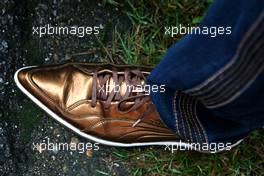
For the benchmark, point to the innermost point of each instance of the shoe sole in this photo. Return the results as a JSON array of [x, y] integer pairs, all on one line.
[[99, 140]]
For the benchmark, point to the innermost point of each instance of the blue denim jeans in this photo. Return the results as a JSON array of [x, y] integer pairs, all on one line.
[[215, 85]]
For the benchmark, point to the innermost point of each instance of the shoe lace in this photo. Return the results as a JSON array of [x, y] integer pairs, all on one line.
[[132, 79]]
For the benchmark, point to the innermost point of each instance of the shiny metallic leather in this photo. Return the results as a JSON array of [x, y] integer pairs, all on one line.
[[67, 89]]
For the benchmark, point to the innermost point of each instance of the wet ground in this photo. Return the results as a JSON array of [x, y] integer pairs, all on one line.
[[22, 123]]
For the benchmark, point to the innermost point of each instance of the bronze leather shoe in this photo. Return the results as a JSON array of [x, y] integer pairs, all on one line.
[[93, 101]]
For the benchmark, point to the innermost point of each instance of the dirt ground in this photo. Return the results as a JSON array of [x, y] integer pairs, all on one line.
[[22, 123]]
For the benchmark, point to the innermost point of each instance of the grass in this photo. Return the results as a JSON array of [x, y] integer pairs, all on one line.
[[246, 159], [145, 44]]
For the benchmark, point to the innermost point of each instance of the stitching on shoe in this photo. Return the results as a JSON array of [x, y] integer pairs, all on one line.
[[65, 89], [39, 89]]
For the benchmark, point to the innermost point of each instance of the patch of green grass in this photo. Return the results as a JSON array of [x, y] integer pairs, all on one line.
[[245, 159], [145, 43]]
